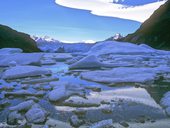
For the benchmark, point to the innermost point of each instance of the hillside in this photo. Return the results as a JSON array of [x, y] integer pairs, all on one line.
[[154, 31], [10, 38]]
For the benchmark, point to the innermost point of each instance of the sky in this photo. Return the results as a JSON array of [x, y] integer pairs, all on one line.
[[67, 20]]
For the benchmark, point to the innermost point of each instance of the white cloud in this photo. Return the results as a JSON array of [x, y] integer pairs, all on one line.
[[89, 41], [110, 9], [83, 41]]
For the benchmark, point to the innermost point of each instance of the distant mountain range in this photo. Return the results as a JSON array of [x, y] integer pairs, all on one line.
[[45, 39], [10, 38], [155, 31], [48, 44]]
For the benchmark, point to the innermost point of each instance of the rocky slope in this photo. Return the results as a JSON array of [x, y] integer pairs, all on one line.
[[154, 31], [10, 38]]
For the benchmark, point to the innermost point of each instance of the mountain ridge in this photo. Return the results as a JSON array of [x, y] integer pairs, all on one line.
[[154, 31], [10, 38]]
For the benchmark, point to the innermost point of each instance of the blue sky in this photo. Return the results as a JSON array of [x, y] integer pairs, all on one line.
[[45, 17]]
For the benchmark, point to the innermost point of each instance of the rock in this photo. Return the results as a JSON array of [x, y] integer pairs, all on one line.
[[75, 121], [7, 87], [24, 71], [95, 89], [4, 103], [107, 110], [21, 59], [168, 111], [141, 120], [86, 63], [24, 106], [80, 112], [10, 50], [103, 124], [14, 117], [36, 115], [124, 124], [57, 124]]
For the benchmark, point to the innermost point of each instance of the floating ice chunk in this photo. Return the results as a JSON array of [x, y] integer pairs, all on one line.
[[24, 71], [22, 106], [57, 124], [63, 90], [86, 63], [103, 124], [10, 50], [23, 93], [21, 59], [165, 102], [57, 94], [119, 75], [108, 47], [36, 115], [168, 111]]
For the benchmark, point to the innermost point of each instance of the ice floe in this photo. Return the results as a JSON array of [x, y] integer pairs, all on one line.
[[114, 47], [125, 75], [10, 50], [24, 71], [21, 59], [165, 102]]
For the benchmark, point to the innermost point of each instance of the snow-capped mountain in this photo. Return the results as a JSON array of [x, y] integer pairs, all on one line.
[[116, 37], [48, 44], [44, 39]]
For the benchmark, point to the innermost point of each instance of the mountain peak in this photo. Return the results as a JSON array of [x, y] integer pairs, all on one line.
[[117, 36], [44, 39]]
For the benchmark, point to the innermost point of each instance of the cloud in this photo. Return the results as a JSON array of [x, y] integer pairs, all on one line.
[[83, 41], [110, 9], [89, 41]]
